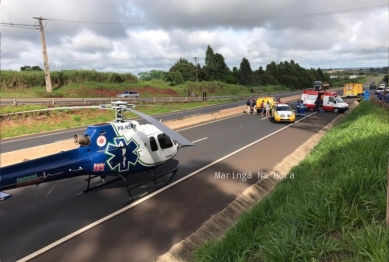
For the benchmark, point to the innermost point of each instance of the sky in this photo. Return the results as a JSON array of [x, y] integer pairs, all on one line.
[[141, 35]]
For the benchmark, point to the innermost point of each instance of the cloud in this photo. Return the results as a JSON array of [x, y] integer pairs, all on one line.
[[138, 35]]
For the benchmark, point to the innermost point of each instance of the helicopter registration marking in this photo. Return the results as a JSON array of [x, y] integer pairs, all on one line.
[[124, 127], [98, 167], [101, 141]]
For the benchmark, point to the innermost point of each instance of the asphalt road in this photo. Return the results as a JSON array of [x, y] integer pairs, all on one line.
[[17, 143], [35, 217]]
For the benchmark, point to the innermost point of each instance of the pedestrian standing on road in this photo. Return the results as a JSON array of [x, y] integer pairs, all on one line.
[[302, 108], [298, 109], [248, 103], [262, 107], [267, 109], [254, 105], [317, 104]]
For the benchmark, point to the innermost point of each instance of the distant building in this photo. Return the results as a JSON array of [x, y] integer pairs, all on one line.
[[353, 76], [333, 77]]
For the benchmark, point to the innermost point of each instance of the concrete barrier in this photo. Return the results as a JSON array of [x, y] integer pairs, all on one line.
[[44, 150]]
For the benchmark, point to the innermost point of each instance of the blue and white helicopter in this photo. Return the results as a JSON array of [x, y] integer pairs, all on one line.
[[115, 149]]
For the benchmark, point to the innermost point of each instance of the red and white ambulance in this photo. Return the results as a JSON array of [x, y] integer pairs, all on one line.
[[330, 101]]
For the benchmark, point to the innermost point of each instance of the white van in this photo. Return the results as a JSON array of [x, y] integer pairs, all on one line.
[[329, 101]]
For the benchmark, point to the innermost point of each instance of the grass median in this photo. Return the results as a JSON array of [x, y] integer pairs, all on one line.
[[332, 210]]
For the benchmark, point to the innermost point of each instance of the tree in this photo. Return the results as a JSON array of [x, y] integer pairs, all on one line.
[[210, 65], [178, 78], [215, 67], [221, 68], [29, 68], [272, 69], [245, 72], [153, 74], [187, 69]]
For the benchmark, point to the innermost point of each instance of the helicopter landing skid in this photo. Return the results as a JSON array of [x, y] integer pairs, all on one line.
[[144, 185], [129, 188]]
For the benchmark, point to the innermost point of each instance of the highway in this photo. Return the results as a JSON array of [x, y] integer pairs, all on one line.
[[36, 217], [17, 143]]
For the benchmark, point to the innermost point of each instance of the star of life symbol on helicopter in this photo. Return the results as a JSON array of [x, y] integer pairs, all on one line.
[[101, 141], [123, 154]]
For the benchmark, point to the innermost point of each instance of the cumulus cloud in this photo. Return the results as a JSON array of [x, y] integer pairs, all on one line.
[[138, 35]]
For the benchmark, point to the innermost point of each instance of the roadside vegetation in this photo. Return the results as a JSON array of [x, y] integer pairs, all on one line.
[[214, 77], [36, 122], [333, 209]]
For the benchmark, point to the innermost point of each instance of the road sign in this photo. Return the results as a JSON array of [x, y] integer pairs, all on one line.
[[366, 95]]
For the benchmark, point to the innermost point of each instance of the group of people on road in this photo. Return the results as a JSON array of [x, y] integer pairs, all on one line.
[[264, 108], [383, 97]]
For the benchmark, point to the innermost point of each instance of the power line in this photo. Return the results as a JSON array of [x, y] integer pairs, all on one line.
[[335, 12], [24, 26]]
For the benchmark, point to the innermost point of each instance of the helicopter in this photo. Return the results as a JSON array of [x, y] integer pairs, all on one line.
[[115, 149]]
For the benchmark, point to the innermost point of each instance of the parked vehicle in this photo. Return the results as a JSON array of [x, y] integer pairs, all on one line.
[[330, 101], [379, 90], [129, 94], [272, 101], [352, 90], [283, 113]]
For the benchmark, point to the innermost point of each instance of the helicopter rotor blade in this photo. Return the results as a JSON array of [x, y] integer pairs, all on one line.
[[168, 131]]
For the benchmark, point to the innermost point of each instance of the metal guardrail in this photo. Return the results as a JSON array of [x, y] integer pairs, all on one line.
[[61, 101]]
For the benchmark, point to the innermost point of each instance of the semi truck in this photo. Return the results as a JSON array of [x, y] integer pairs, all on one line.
[[319, 85]]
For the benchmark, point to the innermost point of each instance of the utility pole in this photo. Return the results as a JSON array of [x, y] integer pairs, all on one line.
[[197, 78], [45, 58]]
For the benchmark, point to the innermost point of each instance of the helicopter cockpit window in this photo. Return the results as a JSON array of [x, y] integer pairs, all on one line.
[[153, 144], [164, 141]]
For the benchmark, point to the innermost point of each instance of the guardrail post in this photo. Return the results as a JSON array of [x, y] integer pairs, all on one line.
[[52, 100], [85, 101], [14, 100], [186, 99], [171, 99], [153, 99]]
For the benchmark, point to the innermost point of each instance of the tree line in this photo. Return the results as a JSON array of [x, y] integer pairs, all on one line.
[[289, 74]]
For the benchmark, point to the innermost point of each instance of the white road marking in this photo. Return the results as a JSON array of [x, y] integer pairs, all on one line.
[[265, 118], [98, 222], [200, 139]]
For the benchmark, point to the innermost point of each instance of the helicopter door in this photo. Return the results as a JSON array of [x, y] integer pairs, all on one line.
[[154, 150], [167, 148]]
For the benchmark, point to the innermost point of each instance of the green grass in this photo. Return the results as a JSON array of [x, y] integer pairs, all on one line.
[[155, 88], [333, 209], [36, 122]]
